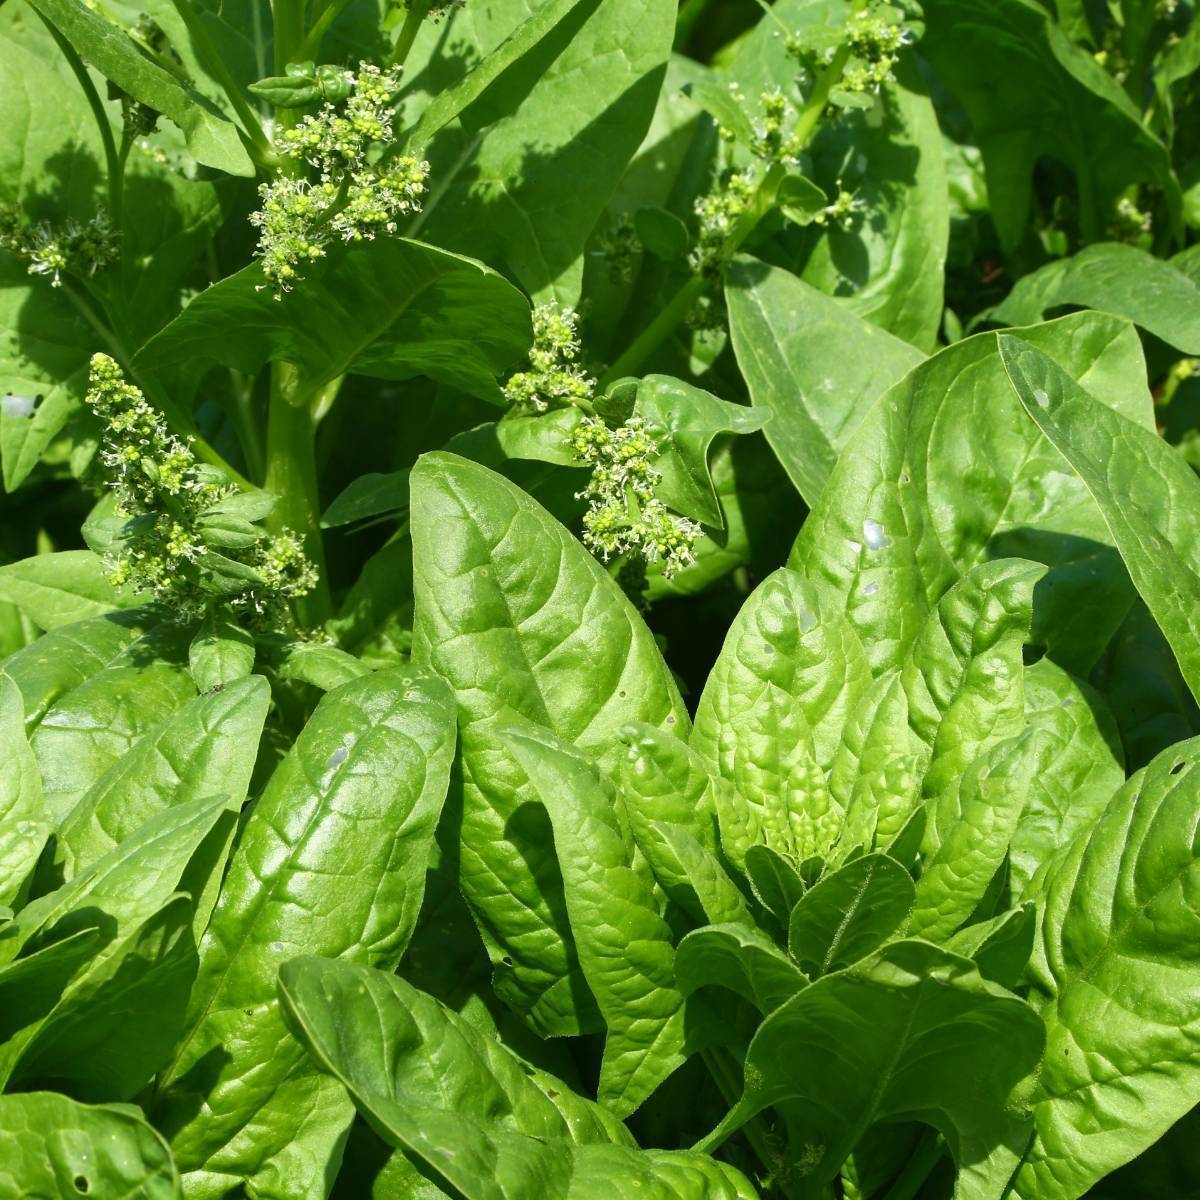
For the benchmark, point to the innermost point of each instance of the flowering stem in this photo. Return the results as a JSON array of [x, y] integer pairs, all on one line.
[[417, 11], [292, 476], [215, 66], [678, 307]]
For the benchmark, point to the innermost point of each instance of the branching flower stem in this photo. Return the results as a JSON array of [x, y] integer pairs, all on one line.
[[678, 307]]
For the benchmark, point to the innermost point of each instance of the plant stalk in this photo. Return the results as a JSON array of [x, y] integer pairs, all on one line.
[[417, 11], [311, 46], [288, 18], [292, 476], [926, 1156]]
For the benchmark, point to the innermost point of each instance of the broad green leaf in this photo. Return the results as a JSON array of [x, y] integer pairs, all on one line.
[[849, 913], [816, 365], [1030, 93], [1148, 494], [1081, 765], [49, 1143], [769, 721], [332, 859], [525, 172], [887, 266], [54, 665], [1117, 279], [322, 665], [1122, 1014], [222, 652], [60, 589], [389, 308], [528, 628], [775, 880], [44, 354], [486, 1125], [964, 680], [969, 830], [686, 421], [910, 1033], [118, 1020], [207, 748], [23, 829], [90, 728], [896, 525], [31, 986], [694, 866], [212, 139], [741, 958], [129, 884], [624, 945]]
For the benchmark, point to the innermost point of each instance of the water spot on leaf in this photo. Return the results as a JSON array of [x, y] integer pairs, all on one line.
[[875, 538], [1042, 399], [338, 757], [18, 406], [870, 589], [806, 620]]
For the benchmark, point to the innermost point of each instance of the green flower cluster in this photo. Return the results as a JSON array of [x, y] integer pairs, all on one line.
[[48, 250], [357, 193], [554, 378], [189, 539], [624, 516], [774, 138], [717, 213], [876, 44], [843, 212]]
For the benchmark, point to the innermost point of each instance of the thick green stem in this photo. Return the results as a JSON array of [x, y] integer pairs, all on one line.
[[763, 200], [292, 476], [312, 42], [215, 66], [417, 11], [288, 16]]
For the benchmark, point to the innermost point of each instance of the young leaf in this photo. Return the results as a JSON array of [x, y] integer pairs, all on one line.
[[849, 913], [1116, 937], [222, 652], [527, 627], [389, 308], [612, 911], [690, 420], [1147, 492], [207, 748], [104, 1151], [332, 858], [816, 365], [740, 958], [212, 139], [485, 1124], [910, 1033], [771, 715]]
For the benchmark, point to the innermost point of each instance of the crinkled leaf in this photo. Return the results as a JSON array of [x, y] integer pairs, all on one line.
[[624, 945], [740, 958], [1148, 494], [1121, 983], [49, 1142], [222, 652], [527, 627], [23, 828], [62, 588], [332, 858]]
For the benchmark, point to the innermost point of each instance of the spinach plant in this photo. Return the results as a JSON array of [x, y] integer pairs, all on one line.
[[597, 597]]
